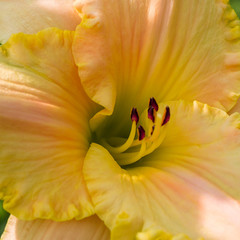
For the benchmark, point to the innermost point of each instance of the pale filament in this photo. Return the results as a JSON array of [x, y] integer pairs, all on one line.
[[126, 145]]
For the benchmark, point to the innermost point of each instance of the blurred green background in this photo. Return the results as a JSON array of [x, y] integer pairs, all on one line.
[[3, 218], [4, 215], [236, 5]]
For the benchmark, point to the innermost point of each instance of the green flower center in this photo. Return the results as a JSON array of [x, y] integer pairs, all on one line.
[[140, 142]]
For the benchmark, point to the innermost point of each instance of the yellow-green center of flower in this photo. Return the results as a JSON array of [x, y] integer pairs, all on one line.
[[140, 142]]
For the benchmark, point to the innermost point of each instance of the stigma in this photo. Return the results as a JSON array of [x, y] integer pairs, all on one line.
[[141, 142]]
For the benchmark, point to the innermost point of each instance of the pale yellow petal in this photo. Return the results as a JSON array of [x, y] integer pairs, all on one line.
[[159, 234], [44, 128], [31, 16], [236, 108], [203, 140], [91, 228], [189, 185], [128, 51]]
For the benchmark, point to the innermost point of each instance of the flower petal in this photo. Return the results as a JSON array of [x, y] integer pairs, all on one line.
[[91, 228], [189, 185], [31, 16], [153, 233], [236, 108], [169, 49], [44, 128]]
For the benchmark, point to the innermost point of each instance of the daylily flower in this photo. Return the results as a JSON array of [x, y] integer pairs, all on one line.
[[119, 129]]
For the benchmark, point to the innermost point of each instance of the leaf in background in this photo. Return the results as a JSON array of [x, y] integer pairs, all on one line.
[[236, 5], [3, 218]]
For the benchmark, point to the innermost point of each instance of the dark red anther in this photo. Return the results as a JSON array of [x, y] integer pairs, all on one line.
[[141, 133], [151, 114], [134, 115], [153, 103], [153, 127], [166, 116]]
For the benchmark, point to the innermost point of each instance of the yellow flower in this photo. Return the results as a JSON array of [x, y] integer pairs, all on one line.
[[69, 148]]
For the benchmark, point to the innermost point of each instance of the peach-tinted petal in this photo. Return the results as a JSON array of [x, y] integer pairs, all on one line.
[[91, 228], [44, 128], [189, 185], [236, 108], [203, 140], [128, 51], [31, 16]]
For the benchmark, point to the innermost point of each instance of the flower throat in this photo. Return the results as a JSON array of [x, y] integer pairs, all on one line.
[[140, 143]]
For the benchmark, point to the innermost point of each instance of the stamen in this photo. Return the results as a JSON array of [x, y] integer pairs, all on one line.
[[134, 115], [126, 145], [153, 127], [136, 148], [129, 158], [141, 133], [156, 143], [151, 114], [153, 103], [166, 116]]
